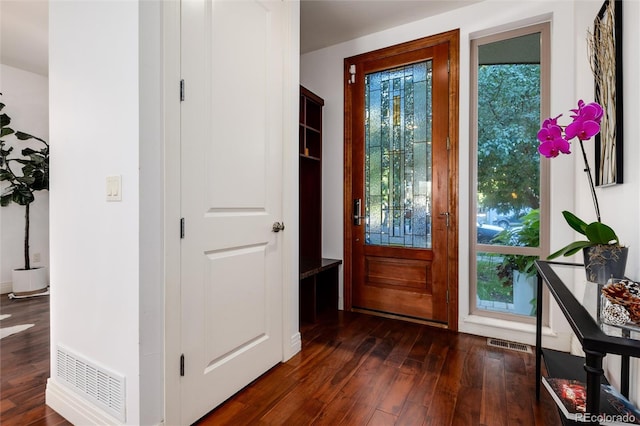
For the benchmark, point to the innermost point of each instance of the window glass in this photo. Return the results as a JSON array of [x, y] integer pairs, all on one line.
[[507, 187]]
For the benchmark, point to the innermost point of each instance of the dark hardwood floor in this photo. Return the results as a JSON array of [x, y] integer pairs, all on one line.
[[354, 369], [24, 364]]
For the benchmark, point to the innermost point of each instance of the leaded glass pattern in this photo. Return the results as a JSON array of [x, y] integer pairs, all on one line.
[[398, 161]]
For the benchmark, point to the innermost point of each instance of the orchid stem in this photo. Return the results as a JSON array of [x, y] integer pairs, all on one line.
[[587, 169]]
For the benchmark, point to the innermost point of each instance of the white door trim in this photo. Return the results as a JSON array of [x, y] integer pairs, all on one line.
[[171, 115], [290, 199], [171, 143]]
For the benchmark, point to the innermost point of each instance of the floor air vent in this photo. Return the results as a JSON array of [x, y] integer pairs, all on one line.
[[505, 344], [100, 386]]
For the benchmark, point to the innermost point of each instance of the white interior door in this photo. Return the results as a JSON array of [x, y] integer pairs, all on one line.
[[231, 186]]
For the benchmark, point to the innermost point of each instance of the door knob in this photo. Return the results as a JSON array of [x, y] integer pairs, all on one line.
[[277, 226]]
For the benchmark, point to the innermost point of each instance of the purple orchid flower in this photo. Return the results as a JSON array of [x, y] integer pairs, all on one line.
[[553, 148], [551, 141], [592, 111], [585, 125], [583, 130], [554, 138], [586, 121]]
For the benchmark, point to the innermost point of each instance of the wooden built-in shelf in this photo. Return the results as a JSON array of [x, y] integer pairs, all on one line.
[[310, 174], [309, 157], [318, 287], [318, 276]]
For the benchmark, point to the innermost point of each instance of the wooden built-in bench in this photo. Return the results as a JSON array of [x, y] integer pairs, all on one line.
[[318, 287]]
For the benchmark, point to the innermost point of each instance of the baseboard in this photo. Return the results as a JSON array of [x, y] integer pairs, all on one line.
[[515, 331], [75, 409], [6, 287]]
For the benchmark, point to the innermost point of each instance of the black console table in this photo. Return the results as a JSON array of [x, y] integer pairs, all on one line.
[[597, 339], [318, 287]]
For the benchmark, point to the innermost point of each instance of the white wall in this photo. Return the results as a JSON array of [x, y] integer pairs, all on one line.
[[630, 190], [151, 220], [95, 244], [290, 190], [571, 79], [619, 204], [26, 96]]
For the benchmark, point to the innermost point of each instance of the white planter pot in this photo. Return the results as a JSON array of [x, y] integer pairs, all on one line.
[[30, 281], [524, 290]]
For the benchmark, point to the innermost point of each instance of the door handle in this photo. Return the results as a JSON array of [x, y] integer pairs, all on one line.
[[447, 215], [357, 211], [277, 226]]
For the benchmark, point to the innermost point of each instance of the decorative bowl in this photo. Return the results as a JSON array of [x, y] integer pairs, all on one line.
[[621, 302]]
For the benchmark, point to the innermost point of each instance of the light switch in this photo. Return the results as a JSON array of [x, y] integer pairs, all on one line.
[[114, 188]]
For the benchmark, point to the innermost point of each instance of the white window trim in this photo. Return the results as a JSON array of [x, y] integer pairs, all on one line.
[[480, 316]]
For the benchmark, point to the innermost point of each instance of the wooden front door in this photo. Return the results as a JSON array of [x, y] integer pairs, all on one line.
[[231, 195], [401, 209]]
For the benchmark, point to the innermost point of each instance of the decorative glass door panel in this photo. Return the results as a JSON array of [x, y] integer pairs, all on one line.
[[398, 156]]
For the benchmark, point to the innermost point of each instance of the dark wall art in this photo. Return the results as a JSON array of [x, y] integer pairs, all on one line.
[[605, 50]]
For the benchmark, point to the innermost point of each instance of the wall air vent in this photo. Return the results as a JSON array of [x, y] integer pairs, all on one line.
[[98, 385], [505, 344]]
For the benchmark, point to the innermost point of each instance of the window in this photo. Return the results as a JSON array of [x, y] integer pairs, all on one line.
[[510, 180]]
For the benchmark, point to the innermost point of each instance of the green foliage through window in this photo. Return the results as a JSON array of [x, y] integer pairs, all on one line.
[[508, 120]]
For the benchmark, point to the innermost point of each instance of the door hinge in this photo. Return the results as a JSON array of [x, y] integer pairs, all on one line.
[[182, 365], [182, 90], [447, 296], [448, 66], [181, 227], [448, 144]]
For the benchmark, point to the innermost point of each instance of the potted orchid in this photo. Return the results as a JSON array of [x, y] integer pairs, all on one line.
[[602, 250]]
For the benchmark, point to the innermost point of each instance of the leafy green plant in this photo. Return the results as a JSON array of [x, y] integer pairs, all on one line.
[[597, 233], [490, 287], [25, 174], [527, 235]]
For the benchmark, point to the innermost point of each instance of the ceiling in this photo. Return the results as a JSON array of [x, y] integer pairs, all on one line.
[[24, 34], [24, 24], [327, 22]]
